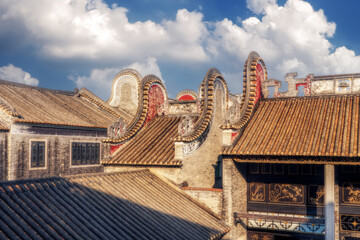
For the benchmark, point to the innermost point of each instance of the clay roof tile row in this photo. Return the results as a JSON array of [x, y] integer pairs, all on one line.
[[152, 145], [128, 205], [307, 126]]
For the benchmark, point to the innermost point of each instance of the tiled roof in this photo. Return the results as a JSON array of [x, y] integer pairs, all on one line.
[[152, 145], [38, 105], [306, 126], [131, 205], [3, 127]]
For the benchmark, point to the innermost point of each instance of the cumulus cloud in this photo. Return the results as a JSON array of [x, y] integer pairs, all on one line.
[[93, 30], [99, 81], [289, 37], [293, 37], [16, 74]]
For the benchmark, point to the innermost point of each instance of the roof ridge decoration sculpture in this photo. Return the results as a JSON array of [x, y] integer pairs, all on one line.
[[85, 93], [142, 115], [255, 74], [206, 98], [186, 95], [125, 89], [127, 71]]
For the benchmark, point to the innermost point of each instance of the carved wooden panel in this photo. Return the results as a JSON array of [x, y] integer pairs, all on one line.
[[257, 192], [316, 194], [286, 193], [259, 236], [351, 193], [350, 223]]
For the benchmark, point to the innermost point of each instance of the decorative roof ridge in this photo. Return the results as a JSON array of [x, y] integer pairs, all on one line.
[[140, 117], [311, 97], [187, 91], [207, 104], [54, 178], [320, 77], [60, 124], [104, 174], [85, 93], [249, 96], [21, 85], [182, 102], [125, 71]]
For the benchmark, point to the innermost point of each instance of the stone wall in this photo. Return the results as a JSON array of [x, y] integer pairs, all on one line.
[[212, 198], [3, 155], [58, 151], [234, 197], [183, 107], [336, 85]]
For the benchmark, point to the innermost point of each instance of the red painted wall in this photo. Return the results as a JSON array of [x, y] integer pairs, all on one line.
[[156, 99], [186, 97]]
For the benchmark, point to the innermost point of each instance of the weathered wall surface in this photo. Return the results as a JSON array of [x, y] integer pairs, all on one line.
[[211, 198], [198, 167], [58, 151], [3, 155], [183, 107], [234, 197]]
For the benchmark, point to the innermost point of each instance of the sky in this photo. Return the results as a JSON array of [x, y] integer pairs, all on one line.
[[67, 44]]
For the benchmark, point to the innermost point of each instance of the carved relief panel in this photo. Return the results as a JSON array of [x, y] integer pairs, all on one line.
[[351, 193], [350, 223], [286, 193]]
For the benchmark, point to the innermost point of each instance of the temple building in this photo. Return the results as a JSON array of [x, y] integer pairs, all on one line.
[[46, 132], [208, 164]]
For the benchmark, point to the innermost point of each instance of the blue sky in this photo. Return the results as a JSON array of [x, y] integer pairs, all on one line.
[[84, 43]]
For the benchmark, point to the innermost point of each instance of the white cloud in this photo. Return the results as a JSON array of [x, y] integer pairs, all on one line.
[[259, 6], [93, 30], [292, 37], [16, 74], [99, 81]]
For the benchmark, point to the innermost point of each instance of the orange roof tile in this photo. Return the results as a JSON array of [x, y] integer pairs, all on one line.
[[45, 106], [152, 145], [307, 126]]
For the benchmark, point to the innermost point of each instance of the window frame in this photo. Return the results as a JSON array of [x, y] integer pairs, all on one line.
[[45, 154], [84, 165]]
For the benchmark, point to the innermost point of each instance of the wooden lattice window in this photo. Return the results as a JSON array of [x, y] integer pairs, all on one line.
[[37, 156], [85, 153]]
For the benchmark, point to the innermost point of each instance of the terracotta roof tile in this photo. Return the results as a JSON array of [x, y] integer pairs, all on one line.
[[307, 126], [152, 145], [39, 105], [131, 205], [3, 127]]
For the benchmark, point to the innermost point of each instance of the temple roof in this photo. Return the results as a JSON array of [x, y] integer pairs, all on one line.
[[45, 106], [127, 205], [303, 126], [152, 145]]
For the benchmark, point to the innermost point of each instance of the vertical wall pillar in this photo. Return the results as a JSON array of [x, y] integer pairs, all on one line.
[[179, 153], [329, 174], [227, 190]]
